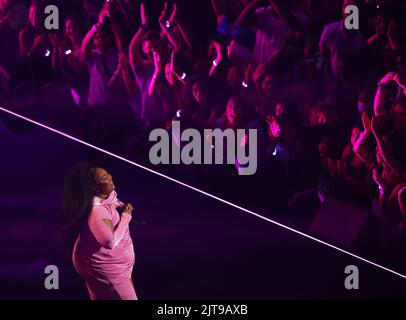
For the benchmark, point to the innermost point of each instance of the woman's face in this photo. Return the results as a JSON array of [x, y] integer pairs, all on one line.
[[102, 40], [72, 29], [104, 182]]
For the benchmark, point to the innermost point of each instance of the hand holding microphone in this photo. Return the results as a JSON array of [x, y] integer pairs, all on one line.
[[128, 208]]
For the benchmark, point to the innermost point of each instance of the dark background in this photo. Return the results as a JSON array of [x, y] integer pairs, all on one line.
[[193, 247]]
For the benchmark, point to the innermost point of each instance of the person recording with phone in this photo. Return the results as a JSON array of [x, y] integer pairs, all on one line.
[[103, 254]]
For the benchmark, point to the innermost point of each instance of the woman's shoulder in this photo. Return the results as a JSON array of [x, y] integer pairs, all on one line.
[[98, 208]]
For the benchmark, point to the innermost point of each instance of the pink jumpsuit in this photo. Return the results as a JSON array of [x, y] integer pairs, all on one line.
[[105, 259]]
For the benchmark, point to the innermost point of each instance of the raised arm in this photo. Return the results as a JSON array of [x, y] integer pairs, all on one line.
[[88, 39], [219, 59], [156, 87], [168, 30], [134, 50], [87, 42], [186, 35], [379, 30]]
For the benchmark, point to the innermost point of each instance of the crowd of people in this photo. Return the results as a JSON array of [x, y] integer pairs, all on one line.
[[328, 102]]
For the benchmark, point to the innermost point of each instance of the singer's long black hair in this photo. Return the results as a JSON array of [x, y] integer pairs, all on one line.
[[78, 196]]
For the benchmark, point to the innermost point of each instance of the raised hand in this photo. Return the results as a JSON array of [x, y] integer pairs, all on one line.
[[144, 18], [164, 14], [110, 7], [129, 208], [103, 15], [274, 129], [174, 13]]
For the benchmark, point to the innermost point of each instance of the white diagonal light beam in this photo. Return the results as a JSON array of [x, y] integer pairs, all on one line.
[[202, 192]]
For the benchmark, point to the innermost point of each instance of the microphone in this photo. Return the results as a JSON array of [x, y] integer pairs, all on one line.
[[120, 210]]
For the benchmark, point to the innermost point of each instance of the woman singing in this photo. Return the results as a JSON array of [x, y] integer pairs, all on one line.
[[103, 253]]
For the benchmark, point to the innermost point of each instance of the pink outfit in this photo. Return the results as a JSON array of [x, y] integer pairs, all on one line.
[[105, 259]]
